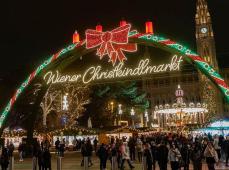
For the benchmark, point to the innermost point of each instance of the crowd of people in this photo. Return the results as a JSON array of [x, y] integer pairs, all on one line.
[[158, 149], [40, 153], [161, 149]]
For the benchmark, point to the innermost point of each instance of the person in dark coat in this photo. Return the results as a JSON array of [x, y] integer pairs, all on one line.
[[131, 145], [103, 155], [149, 156], [4, 159], [95, 142], [162, 156], [47, 159], [83, 152], [21, 151], [35, 154], [89, 150], [57, 146], [185, 154], [226, 149], [10, 148], [154, 153], [62, 148], [40, 158], [196, 155]]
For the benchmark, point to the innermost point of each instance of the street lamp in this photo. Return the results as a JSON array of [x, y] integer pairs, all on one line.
[[112, 107], [146, 117], [132, 113], [112, 111]]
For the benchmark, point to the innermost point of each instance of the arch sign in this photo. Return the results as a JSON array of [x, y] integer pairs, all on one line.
[[114, 45]]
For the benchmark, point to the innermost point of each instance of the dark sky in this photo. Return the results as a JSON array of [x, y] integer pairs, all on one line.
[[33, 29]]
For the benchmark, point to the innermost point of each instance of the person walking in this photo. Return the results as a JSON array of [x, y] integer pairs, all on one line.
[[139, 147], [40, 158], [4, 159], [217, 147], [125, 156], [21, 151], [47, 159], [89, 150], [149, 156], [95, 142], [162, 156], [10, 148], [226, 146], [174, 157], [131, 145], [57, 146], [196, 156], [62, 148], [154, 153], [35, 155], [211, 156], [103, 155], [185, 154], [83, 152]]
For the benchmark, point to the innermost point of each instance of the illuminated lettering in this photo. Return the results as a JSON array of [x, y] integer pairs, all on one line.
[[96, 73]]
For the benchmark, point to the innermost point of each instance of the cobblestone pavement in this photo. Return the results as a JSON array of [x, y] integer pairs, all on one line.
[[72, 160]]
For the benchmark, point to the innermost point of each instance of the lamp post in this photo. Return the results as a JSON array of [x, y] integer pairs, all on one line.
[[112, 111], [146, 117], [112, 107], [120, 112], [132, 113]]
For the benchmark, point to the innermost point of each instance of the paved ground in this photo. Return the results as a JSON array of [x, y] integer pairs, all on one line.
[[72, 160]]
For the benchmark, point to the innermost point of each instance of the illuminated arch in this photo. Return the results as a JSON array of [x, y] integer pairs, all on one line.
[[134, 36]]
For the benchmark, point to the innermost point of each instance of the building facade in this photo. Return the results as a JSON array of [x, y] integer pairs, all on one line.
[[197, 88]]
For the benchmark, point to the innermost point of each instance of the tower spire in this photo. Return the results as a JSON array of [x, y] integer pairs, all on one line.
[[204, 33], [206, 48], [202, 13]]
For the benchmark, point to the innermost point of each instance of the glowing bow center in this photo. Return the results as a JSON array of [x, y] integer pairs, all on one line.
[[106, 37]]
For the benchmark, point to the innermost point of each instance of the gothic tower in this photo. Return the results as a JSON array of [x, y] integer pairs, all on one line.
[[204, 34], [206, 48]]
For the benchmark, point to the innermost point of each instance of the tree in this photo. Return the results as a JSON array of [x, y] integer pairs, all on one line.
[[48, 103], [126, 93], [78, 97]]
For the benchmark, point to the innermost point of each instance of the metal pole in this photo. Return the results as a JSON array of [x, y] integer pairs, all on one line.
[[114, 163], [144, 167], [85, 162], [11, 163], [59, 163]]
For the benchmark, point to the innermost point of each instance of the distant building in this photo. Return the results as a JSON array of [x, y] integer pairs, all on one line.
[[197, 88]]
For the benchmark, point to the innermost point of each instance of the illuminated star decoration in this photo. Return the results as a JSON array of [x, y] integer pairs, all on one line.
[[65, 102], [112, 43]]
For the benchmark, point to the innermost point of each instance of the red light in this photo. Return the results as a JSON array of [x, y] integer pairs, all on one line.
[[149, 27], [122, 23], [75, 37], [99, 28]]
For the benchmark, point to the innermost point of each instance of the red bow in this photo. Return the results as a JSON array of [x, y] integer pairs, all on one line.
[[112, 43]]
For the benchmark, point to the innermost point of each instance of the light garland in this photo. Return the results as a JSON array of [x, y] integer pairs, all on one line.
[[71, 129], [161, 42]]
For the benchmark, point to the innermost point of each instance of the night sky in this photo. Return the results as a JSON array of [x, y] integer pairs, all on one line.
[[32, 30]]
